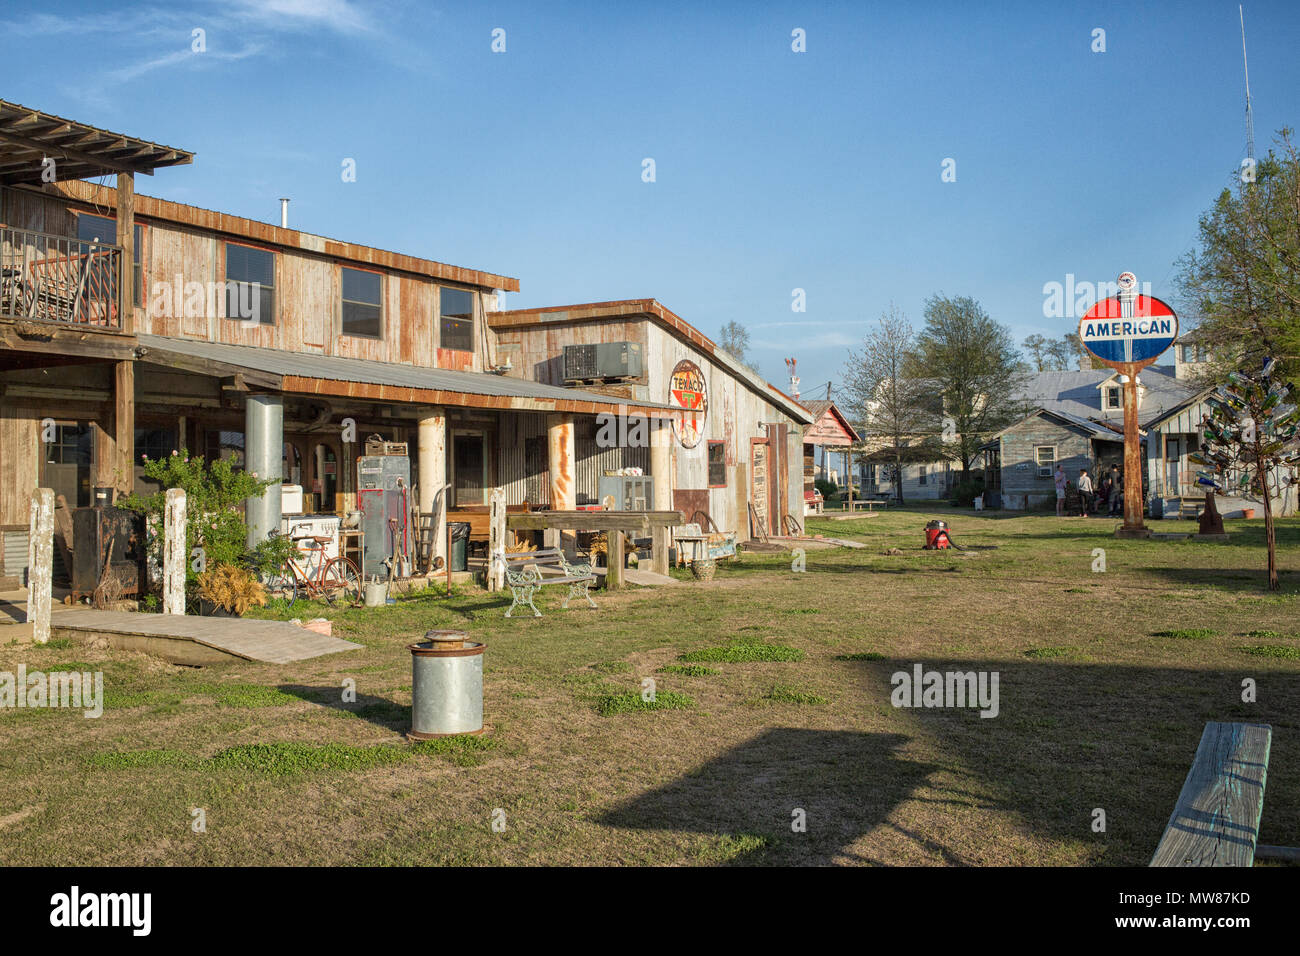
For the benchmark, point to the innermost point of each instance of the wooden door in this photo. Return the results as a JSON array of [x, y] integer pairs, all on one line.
[[759, 495]]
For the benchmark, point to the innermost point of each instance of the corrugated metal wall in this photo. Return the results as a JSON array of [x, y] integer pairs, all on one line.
[[524, 463], [15, 550]]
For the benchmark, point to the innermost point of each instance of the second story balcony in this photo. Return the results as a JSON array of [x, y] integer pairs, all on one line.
[[50, 278]]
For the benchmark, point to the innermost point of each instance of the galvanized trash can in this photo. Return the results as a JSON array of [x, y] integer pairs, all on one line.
[[446, 685]]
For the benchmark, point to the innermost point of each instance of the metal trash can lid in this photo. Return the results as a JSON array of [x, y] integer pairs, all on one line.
[[445, 643]]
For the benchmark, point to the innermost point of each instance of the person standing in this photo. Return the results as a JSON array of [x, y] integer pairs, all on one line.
[[1060, 491], [1085, 491], [1116, 491]]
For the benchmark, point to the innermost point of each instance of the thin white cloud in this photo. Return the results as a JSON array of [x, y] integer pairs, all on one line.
[[182, 56], [144, 29], [339, 15]]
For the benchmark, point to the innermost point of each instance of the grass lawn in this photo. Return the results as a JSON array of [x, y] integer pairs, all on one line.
[[773, 696]]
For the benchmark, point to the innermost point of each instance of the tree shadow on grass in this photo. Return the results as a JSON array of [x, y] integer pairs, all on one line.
[[846, 782], [380, 711], [1072, 737], [1229, 579]]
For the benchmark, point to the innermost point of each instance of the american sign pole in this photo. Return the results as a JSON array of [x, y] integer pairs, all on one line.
[[1128, 332]]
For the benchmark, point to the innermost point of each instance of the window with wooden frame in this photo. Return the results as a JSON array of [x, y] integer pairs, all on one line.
[[1114, 397], [102, 229], [363, 310], [1045, 460], [717, 464], [456, 314], [922, 474], [250, 284]]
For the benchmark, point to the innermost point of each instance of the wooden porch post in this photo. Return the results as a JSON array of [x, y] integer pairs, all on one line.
[[124, 372], [40, 562], [661, 464], [562, 471], [432, 442]]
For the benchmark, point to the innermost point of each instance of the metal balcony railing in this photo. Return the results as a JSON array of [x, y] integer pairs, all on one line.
[[57, 279]]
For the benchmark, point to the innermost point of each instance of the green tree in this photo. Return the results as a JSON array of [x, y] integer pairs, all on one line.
[[974, 373], [734, 339], [1251, 442], [891, 405], [1241, 285]]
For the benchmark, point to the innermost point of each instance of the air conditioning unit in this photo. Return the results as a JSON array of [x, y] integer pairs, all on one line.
[[603, 360]]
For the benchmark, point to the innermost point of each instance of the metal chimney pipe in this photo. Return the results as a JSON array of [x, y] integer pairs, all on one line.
[[284, 213]]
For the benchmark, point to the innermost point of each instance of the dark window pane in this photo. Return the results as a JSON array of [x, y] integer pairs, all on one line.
[[456, 303], [362, 312], [250, 284], [361, 320], [458, 334], [717, 464], [361, 286]]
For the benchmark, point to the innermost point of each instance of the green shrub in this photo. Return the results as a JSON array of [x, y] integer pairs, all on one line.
[[744, 652], [964, 493], [214, 506]]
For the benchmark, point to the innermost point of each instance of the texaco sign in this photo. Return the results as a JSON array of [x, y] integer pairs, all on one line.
[[687, 391]]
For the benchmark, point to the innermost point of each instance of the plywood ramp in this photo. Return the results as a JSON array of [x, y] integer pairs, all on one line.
[[198, 640]]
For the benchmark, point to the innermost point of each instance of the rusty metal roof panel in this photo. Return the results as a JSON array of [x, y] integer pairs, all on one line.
[[332, 368]]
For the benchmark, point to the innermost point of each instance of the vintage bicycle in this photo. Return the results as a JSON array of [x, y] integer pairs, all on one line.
[[332, 579]]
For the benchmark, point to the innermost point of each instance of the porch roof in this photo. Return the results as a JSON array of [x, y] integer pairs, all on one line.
[[28, 136], [313, 374], [1096, 430]]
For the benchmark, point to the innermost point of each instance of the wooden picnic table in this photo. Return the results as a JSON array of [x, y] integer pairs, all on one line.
[[614, 523], [868, 503]]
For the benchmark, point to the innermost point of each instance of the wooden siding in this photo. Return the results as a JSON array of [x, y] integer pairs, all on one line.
[[308, 290], [1019, 469], [20, 448], [536, 353], [237, 227]]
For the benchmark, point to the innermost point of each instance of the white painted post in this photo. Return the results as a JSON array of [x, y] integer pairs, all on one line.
[[175, 554], [496, 539], [40, 563], [432, 449]]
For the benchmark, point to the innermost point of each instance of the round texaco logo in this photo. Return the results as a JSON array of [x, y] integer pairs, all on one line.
[[688, 392]]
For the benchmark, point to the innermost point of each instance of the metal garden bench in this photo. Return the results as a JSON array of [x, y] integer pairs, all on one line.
[[527, 572]]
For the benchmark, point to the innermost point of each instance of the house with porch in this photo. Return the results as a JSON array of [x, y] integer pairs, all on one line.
[[1078, 422], [132, 326]]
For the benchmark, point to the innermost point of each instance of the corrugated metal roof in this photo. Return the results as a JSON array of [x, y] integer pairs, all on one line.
[[309, 365], [1076, 393]]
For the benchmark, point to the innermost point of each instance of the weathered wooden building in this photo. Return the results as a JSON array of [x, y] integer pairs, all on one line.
[[135, 326], [734, 450]]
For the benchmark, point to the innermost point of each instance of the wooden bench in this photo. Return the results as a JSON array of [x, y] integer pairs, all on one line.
[[1216, 819], [527, 572]]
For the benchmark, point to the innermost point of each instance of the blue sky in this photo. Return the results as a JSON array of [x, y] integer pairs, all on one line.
[[775, 170]]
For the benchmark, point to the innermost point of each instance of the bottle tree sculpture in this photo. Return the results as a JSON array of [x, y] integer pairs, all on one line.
[[1251, 445]]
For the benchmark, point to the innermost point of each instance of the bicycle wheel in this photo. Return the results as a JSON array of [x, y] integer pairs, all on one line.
[[285, 584], [341, 580]]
